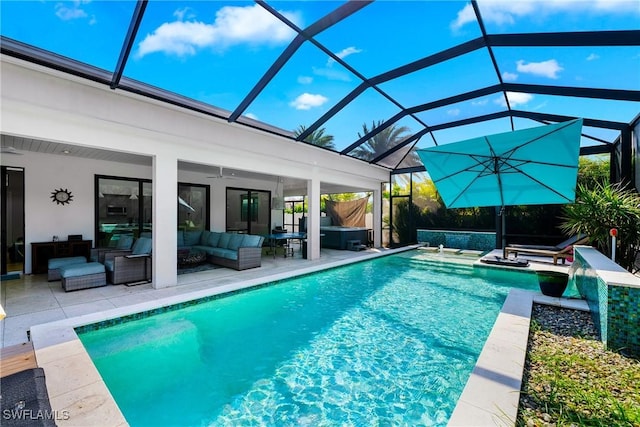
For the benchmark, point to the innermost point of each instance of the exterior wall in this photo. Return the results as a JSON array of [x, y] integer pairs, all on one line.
[[613, 295], [474, 240]]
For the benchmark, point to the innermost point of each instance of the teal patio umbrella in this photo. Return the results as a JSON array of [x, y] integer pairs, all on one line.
[[525, 167]]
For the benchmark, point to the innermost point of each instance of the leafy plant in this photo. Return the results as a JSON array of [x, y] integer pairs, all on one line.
[[316, 137], [599, 209], [381, 142]]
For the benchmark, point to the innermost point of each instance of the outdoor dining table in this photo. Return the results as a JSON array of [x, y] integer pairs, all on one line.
[[275, 237]]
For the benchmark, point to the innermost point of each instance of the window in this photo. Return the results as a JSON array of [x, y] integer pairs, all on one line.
[[123, 207], [248, 211], [193, 206]]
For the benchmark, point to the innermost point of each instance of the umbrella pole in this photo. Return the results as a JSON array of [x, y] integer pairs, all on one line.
[[504, 230]]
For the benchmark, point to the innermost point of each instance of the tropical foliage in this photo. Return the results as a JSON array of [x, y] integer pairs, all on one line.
[[381, 142], [316, 137], [599, 209]]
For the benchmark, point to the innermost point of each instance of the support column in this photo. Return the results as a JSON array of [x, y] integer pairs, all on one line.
[[165, 219], [313, 216], [377, 218]]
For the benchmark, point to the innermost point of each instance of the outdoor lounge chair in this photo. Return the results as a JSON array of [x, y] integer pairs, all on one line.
[[562, 251], [135, 266]]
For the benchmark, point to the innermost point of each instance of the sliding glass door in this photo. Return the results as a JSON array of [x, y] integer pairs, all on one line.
[[248, 211], [123, 207], [12, 220]]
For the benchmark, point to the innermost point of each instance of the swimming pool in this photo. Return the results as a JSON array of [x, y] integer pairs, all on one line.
[[386, 341]]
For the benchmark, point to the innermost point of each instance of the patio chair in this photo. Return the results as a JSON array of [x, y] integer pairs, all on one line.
[[120, 244], [130, 267], [562, 251]]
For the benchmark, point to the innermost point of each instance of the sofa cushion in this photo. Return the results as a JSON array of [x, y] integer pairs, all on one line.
[[192, 238], [78, 270], [204, 237], [224, 240], [142, 246], [60, 262], [202, 248], [226, 253], [180, 238], [125, 241], [235, 241], [252, 240], [214, 239]]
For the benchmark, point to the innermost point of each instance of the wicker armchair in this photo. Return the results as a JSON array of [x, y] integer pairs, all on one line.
[[120, 246], [130, 266]]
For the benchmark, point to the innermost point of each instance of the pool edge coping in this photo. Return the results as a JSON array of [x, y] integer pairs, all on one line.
[[491, 396]]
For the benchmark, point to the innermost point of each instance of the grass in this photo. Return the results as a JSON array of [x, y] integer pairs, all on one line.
[[572, 380]]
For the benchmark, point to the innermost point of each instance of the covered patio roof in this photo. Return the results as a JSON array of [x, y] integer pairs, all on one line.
[[370, 80]]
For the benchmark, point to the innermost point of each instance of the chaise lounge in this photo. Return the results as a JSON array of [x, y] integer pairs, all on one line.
[[562, 251]]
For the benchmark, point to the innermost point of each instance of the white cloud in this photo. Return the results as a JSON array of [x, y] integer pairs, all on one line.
[[233, 25], [348, 51], [305, 80], [465, 16], [306, 101], [515, 99], [480, 103], [332, 74], [251, 116], [549, 68], [454, 112], [593, 57], [509, 77], [72, 11], [507, 12]]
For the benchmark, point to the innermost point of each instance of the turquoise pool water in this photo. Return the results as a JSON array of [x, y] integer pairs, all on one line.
[[390, 341]]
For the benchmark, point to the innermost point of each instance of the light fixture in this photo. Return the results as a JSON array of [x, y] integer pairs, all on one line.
[[277, 202]]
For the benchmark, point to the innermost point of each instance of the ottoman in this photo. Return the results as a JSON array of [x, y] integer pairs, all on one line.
[[82, 276], [56, 263]]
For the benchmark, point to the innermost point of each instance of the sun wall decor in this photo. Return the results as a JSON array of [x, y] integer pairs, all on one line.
[[61, 196]]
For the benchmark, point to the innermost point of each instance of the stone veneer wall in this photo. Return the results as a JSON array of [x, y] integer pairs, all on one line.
[[613, 295], [475, 240]]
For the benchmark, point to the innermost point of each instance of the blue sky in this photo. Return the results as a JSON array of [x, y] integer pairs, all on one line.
[[215, 51]]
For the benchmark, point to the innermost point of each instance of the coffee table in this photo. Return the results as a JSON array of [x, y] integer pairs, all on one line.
[[189, 258]]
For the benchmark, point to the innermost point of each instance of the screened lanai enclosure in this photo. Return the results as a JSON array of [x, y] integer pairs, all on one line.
[[372, 80]]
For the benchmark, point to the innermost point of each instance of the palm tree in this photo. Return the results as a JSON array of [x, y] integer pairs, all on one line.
[[381, 142], [316, 137]]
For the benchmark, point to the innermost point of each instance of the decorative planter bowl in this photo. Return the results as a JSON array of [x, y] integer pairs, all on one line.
[[552, 283]]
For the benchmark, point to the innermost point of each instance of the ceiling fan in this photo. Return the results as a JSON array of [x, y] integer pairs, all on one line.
[[10, 150], [221, 175]]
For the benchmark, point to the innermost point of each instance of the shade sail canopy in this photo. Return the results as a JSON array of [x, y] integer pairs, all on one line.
[[527, 167]]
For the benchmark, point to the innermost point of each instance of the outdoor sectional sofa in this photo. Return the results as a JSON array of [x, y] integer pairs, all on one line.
[[232, 250]]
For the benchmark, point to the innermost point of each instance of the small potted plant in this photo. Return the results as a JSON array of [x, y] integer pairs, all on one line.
[[552, 283]]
